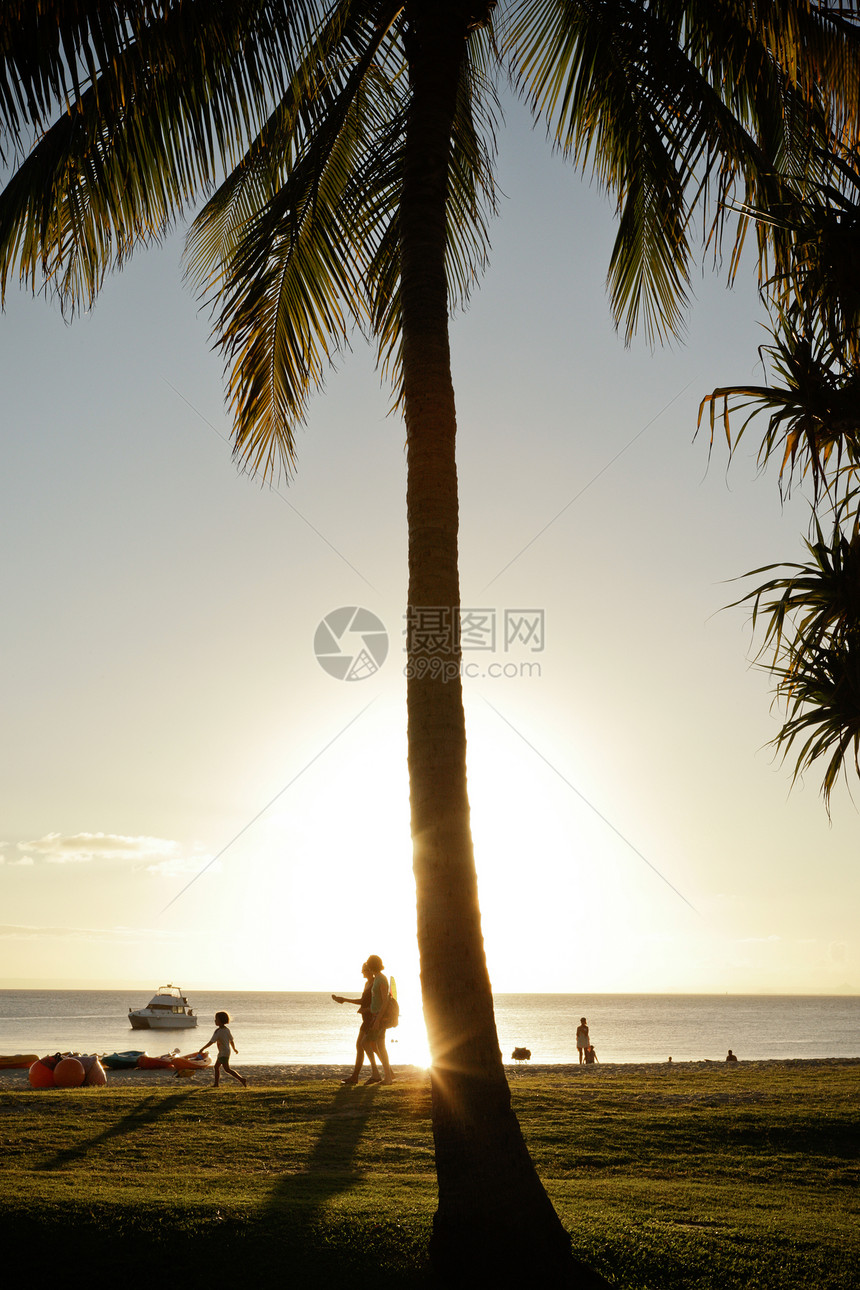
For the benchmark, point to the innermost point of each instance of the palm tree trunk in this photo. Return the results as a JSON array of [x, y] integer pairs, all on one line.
[[495, 1223]]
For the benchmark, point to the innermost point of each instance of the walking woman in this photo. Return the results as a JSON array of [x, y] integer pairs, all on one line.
[[582, 1039], [380, 1004], [364, 1043]]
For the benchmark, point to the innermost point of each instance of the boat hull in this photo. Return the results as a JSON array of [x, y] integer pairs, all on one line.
[[172, 1021], [167, 1010]]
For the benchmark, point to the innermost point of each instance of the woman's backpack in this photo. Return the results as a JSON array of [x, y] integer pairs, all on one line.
[[392, 1015]]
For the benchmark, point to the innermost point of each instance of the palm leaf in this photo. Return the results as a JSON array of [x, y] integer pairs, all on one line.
[[812, 408], [294, 252], [820, 276], [672, 104], [148, 134], [822, 698], [811, 646], [292, 277]]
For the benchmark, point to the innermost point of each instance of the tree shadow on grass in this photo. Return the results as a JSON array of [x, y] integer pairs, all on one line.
[[149, 1111], [323, 1245], [331, 1167]]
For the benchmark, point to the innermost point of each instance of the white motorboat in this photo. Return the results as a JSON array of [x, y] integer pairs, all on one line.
[[166, 1010]]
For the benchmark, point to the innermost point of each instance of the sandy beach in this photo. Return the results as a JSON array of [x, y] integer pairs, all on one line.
[[258, 1076], [284, 1075]]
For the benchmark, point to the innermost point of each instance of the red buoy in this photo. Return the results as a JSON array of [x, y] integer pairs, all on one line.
[[41, 1076], [69, 1073]]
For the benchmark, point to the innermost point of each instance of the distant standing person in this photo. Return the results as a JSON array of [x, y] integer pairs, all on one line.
[[224, 1041], [582, 1040], [364, 1043], [379, 1003]]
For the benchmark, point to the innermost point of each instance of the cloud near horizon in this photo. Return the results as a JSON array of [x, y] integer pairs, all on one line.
[[155, 855]]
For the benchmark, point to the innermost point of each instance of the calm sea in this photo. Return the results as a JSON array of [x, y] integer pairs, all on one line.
[[291, 1028]]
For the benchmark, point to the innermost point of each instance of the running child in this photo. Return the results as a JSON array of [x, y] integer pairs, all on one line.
[[224, 1041]]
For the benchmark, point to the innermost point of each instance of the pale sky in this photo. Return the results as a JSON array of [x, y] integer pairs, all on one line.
[[160, 688]]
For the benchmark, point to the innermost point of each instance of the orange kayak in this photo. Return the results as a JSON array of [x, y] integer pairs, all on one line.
[[190, 1063], [20, 1061], [147, 1063]]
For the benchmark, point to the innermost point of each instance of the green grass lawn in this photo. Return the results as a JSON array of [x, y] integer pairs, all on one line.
[[685, 1176]]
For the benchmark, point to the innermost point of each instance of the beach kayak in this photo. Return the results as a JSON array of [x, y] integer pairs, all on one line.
[[190, 1063], [147, 1063], [121, 1061], [22, 1061]]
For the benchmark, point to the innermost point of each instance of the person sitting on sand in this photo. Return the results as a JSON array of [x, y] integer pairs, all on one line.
[[730, 1057], [590, 1056], [582, 1040], [365, 1042], [224, 1040], [379, 996]]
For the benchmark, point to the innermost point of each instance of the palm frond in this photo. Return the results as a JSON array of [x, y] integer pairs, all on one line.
[[292, 279], [144, 137], [812, 408], [811, 646], [289, 288], [673, 105], [822, 698], [47, 50], [295, 250], [819, 276]]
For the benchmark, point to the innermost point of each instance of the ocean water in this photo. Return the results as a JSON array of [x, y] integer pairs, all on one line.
[[307, 1028]]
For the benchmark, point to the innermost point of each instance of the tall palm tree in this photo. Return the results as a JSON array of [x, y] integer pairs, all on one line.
[[344, 149]]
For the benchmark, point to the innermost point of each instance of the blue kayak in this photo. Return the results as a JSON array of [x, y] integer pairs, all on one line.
[[121, 1061]]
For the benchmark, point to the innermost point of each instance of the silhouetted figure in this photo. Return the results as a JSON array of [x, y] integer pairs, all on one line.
[[590, 1056], [380, 993], [364, 1043], [223, 1040], [582, 1040], [730, 1057]]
